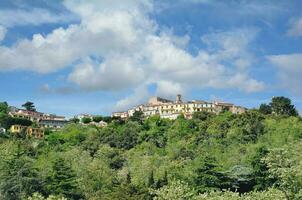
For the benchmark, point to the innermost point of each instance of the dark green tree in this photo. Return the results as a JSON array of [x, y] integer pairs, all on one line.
[[6, 121], [3, 107], [202, 115], [260, 170], [151, 182], [86, 120], [251, 125], [19, 178], [265, 109], [207, 175], [97, 119], [74, 120], [162, 182], [63, 181], [128, 137], [138, 116], [283, 106], [29, 106]]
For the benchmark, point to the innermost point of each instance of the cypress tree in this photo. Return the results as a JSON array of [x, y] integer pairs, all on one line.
[[63, 180]]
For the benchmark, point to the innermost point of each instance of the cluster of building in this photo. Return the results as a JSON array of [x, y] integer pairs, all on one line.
[[169, 109], [41, 120], [164, 108]]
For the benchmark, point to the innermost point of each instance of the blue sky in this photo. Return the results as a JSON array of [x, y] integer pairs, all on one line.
[[76, 56]]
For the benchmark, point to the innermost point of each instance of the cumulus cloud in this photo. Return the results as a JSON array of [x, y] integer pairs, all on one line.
[[115, 73], [169, 89], [139, 95], [289, 71], [3, 31], [296, 28], [117, 45]]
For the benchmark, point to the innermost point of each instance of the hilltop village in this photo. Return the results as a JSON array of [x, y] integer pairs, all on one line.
[[169, 109], [32, 123]]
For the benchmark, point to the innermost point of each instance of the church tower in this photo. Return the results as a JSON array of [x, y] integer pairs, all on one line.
[[178, 98]]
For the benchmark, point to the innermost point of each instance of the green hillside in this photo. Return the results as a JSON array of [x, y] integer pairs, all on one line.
[[256, 155]]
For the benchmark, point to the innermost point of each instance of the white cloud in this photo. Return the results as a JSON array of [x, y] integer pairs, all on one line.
[[118, 46], [3, 31], [115, 73], [139, 96], [289, 71], [296, 28], [34, 16], [169, 89]]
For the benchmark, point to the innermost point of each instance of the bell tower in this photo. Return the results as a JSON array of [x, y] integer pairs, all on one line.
[[178, 98]]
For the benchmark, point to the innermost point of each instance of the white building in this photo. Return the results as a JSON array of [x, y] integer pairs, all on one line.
[[42, 119], [171, 110]]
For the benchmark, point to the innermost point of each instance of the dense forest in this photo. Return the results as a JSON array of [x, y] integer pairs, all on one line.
[[251, 156]]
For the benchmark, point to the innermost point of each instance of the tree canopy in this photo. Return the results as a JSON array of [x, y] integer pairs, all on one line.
[[29, 106]]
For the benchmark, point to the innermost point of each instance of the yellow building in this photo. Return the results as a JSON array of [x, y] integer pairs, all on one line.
[[29, 131], [34, 132], [16, 129]]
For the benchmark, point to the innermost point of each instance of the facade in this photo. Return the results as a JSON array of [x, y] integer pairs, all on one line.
[[42, 119], [171, 110], [122, 115], [29, 131], [30, 115], [52, 123]]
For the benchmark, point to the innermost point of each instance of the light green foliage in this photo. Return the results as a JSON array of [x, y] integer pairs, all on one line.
[[225, 195], [285, 165], [271, 194], [37, 196], [176, 190]]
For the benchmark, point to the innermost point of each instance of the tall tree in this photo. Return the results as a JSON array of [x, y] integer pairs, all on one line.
[[29, 106], [19, 178], [265, 109], [3, 107], [260, 170], [63, 180], [207, 175], [138, 116], [97, 119], [86, 120], [283, 106]]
